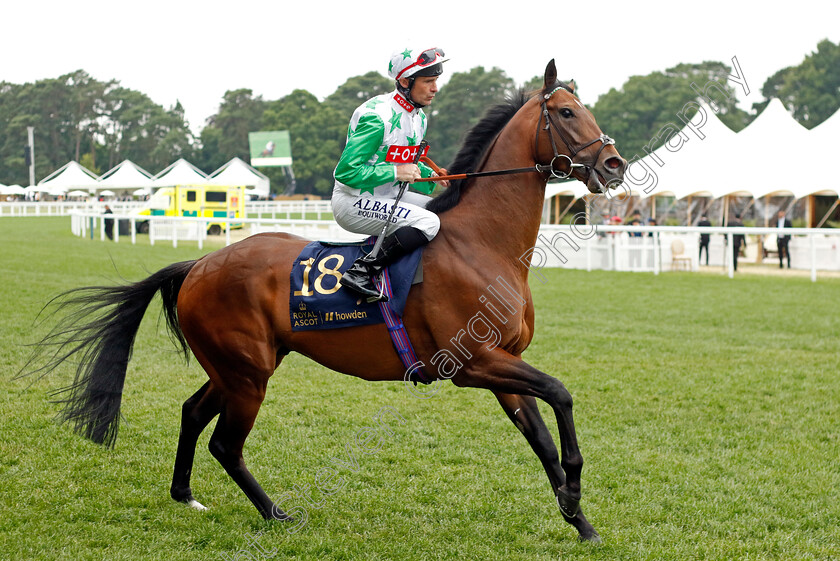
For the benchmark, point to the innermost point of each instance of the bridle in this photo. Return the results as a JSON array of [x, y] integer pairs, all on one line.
[[551, 168], [551, 127]]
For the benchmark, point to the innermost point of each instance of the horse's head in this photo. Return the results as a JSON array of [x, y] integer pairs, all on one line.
[[576, 146]]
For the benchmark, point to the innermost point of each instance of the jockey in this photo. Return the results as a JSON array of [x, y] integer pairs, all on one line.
[[377, 158]]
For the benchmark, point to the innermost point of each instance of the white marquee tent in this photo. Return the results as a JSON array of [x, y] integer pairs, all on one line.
[[689, 163], [237, 172], [12, 190], [759, 165], [180, 172], [825, 137], [128, 176], [705, 158], [71, 175], [763, 159]]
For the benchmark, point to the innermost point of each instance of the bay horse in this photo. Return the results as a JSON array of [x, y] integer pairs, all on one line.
[[231, 307]]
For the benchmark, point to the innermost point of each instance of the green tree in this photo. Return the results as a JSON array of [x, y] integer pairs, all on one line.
[[535, 83], [77, 117], [317, 132], [12, 135], [87, 96], [45, 105], [208, 154], [811, 90], [636, 114], [239, 113], [459, 105], [139, 130], [356, 91]]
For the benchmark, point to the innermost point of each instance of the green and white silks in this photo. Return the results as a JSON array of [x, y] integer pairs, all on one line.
[[381, 135]]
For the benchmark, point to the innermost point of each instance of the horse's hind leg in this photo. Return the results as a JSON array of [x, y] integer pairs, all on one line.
[[196, 414], [237, 419], [523, 412]]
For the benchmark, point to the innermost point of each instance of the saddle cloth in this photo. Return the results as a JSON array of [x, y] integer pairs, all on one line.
[[318, 301]]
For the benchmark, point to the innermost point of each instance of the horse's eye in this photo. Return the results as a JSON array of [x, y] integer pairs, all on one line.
[[566, 113]]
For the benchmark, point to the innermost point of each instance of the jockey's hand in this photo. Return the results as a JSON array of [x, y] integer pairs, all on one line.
[[445, 182], [408, 173]]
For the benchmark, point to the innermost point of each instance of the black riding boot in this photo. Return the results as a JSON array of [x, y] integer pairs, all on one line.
[[359, 277]]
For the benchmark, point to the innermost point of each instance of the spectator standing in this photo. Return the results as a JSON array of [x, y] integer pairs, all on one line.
[[737, 239], [636, 215], [109, 223], [704, 239], [783, 240]]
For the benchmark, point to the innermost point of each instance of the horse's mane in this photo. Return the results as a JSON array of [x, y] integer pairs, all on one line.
[[477, 141]]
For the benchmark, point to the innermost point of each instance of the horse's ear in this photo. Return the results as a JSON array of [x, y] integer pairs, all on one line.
[[550, 74], [572, 85]]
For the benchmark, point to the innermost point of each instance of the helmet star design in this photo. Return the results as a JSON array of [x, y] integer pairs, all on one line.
[[404, 64]]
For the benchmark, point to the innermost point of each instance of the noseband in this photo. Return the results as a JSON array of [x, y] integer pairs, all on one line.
[[552, 128]]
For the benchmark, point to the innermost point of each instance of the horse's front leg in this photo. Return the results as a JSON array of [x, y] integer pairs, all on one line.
[[498, 371], [523, 412]]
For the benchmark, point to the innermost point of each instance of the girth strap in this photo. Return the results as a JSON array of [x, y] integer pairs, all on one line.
[[398, 333]]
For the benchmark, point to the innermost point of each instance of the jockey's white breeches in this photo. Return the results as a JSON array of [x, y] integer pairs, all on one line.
[[366, 214]]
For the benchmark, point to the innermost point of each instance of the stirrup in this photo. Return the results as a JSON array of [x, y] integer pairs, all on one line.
[[361, 283], [381, 297]]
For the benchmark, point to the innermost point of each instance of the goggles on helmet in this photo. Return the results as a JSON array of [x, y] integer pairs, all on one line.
[[426, 58]]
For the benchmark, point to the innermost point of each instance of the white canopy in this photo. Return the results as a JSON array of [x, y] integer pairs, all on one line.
[[696, 146], [825, 136], [179, 173], [760, 164], [571, 188], [12, 190], [126, 175], [237, 172], [71, 175], [706, 158]]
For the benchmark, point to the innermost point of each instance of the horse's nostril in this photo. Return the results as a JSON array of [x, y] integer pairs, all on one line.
[[613, 163]]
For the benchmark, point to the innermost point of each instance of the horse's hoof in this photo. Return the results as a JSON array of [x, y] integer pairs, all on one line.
[[569, 506], [192, 503], [591, 537], [188, 500], [278, 514]]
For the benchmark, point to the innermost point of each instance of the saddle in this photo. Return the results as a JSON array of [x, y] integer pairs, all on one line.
[[318, 301]]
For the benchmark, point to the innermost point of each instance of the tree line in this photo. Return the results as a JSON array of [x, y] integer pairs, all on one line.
[[100, 124]]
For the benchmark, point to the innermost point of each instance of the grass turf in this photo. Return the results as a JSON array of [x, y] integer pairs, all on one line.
[[706, 411]]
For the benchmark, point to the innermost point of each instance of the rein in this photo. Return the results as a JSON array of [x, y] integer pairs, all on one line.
[[550, 125]]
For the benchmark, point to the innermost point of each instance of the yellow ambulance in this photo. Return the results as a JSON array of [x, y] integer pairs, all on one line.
[[208, 201]]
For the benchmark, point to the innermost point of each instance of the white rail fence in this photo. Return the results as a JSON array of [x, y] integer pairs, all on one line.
[[620, 248], [178, 228], [64, 208], [658, 248], [291, 209], [317, 210]]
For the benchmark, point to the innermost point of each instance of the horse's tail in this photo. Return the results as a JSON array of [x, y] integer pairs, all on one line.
[[99, 330]]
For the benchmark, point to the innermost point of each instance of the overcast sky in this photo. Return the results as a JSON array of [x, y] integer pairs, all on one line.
[[195, 51]]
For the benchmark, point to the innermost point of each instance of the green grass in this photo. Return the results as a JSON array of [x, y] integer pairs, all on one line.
[[707, 412]]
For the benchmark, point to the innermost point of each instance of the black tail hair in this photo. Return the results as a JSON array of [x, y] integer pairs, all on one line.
[[99, 327]]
